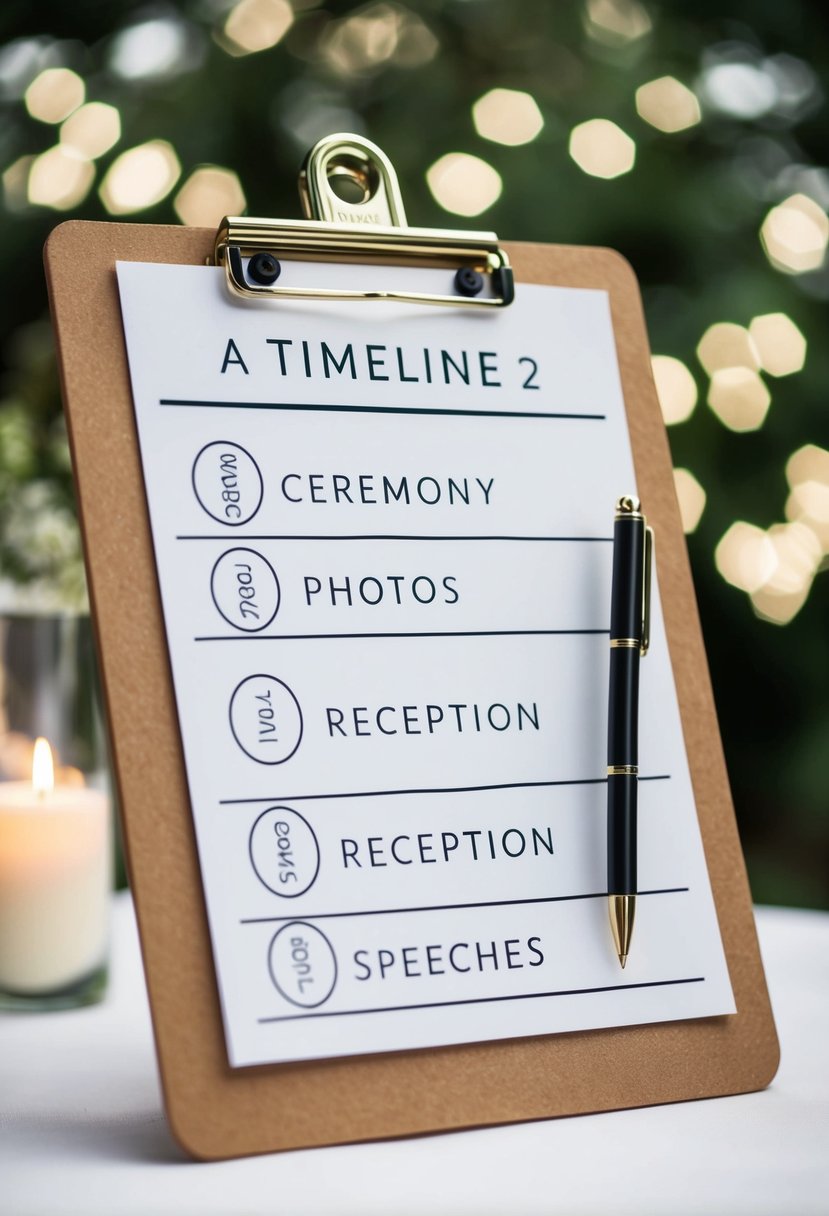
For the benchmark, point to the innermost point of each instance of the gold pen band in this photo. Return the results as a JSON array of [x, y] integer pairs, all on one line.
[[625, 644], [622, 770]]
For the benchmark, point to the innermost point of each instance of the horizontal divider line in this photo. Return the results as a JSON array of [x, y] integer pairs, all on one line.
[[490, 903], [437, 633], [448, 789], [375, 409], [481, 1000], [226, 536]]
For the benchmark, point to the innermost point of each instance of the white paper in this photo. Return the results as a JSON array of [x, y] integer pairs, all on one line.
[[388, 637]]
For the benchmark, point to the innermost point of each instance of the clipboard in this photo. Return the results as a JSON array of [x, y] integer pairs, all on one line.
[[216, 1111]]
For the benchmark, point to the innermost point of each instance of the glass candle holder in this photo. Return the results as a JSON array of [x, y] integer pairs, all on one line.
[[56, 847]]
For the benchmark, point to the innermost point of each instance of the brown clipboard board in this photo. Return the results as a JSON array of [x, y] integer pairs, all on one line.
[[216, 1111]]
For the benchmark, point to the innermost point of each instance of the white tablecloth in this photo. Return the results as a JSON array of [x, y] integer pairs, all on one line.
[[82, 1129]]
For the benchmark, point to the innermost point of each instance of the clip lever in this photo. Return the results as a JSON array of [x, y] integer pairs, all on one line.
[[346, 180]]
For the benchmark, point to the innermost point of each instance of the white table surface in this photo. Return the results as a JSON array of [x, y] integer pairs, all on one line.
[[82, 1129]]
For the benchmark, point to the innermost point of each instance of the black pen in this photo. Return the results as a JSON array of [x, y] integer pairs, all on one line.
[[629, 627]]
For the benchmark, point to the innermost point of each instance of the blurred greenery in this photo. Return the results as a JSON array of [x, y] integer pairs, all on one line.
[[688, 217]]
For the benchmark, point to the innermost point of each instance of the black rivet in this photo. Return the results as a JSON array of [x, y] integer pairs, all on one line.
[[264, 269], [469, 282]]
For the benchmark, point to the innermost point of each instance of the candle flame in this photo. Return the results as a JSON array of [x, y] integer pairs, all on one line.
[[43, 768]]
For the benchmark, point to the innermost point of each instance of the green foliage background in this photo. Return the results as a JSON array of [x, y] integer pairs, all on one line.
[[687, 217]]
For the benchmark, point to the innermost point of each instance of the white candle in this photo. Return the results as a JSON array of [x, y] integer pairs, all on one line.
[[55, 880]]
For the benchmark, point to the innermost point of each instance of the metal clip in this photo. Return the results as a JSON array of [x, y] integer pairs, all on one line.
[[349, 188], [647, 563]]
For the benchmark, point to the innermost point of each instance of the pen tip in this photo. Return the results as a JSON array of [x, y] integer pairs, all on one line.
[[622, 910]]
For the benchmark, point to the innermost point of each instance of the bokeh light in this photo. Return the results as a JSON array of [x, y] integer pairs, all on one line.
[[795, 234], [140, 177], [376, 35], [154, 49], [54, 94], [20, 61], [691, 498], [668, 105], [676, 388], [616, 22], [16, 183], [256, 25], [209, 194], [60, 178], [785, 591], [739, 398], [798, 87], [310, 111], [507, 116], [808, 503], [780, 345], [727, 345], [779, 607], [746, 557], [807, 472], [809, 463], [602, 149], [464, 184], [739, 89], [92, 130]]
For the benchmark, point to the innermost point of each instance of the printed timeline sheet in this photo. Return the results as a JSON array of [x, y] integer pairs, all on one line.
[[383, 540]]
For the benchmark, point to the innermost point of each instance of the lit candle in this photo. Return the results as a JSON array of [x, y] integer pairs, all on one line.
[[55, 880]]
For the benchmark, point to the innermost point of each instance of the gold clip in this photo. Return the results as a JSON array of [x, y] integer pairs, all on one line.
[[647, 563], [349, 189]]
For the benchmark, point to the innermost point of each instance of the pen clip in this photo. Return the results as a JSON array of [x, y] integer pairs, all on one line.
[[647, 563]]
